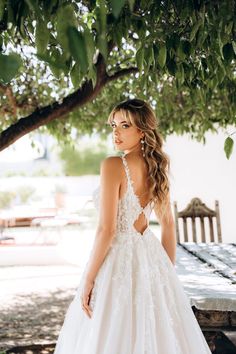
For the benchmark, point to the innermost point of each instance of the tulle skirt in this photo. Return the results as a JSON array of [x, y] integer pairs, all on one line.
[[139, 305]]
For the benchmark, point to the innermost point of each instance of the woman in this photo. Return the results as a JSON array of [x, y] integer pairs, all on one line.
[[130, 300]]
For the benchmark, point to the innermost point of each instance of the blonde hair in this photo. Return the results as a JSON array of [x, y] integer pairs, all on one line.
[[140, 114]]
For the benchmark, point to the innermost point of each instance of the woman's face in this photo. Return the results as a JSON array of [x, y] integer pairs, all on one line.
[[126, 137]]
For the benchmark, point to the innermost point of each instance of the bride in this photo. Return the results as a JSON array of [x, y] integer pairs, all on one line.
[[130, 299]]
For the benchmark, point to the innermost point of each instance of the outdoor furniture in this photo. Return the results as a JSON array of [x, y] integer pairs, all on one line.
[[24, 217], [20, 218], [4, 224], [197, 210], [208, 274]]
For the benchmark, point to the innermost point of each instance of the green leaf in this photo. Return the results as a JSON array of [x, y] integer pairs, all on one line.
[[172, 67], [101, 17], [180, 52], [140, 58], [117, 7], [202, 34], [228, 146], [161, 57], [228, 27], [220, 74], [55, 71], [2, 8], [228, 52], [186, 47], [234, 46], [101, 25], [33, 5], [180, 74], [9, 66], [76, 75], [131, 4], [42, 35], [78, 48], [90, 46], [55, 60], [65, 19], [220, 44], [194, 30], [148, 57], [92, 75]]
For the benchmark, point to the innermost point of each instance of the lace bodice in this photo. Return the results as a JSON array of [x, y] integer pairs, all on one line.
[[129, 207]]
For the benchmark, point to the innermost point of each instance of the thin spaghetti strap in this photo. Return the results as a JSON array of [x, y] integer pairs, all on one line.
[[126, 169], [131, 184]]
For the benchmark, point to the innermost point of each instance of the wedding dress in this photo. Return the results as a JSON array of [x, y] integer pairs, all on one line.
[[138, 302]]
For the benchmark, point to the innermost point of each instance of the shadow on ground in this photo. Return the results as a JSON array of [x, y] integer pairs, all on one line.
[[36, 318]]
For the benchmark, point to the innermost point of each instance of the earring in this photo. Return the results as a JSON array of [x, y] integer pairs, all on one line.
[[142, 146]]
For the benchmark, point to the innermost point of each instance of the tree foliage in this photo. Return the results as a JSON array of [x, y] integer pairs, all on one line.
[[64, 64], [78, 162]]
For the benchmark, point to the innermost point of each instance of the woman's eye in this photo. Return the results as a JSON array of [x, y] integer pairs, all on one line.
[[123, 125]]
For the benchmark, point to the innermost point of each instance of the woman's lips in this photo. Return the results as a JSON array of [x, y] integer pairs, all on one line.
[[118, 142]]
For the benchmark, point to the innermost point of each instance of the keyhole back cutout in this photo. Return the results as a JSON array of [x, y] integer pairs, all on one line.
[[141, 223]]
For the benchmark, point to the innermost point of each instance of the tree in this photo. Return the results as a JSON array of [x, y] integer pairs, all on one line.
[[64, 64]]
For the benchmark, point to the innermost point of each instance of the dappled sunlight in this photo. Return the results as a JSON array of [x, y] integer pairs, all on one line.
[[34, 320]]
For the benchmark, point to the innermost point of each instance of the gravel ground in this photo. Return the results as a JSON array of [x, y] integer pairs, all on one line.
[[33, 303]]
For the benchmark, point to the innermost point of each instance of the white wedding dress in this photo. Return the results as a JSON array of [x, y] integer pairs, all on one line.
[[139, 304]]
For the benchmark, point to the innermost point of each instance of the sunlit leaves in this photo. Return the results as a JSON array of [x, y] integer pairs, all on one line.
[[183, 49]]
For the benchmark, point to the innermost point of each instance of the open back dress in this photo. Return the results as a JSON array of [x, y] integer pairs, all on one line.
[[138, 302]]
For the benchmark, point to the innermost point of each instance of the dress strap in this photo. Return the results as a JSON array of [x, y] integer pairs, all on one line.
[[130, 182]]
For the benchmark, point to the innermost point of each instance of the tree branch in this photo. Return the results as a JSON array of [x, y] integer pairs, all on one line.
[[42, 116], [7, 90], [122, 72]]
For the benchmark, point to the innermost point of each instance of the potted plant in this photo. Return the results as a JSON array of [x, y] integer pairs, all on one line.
[[59, 196]]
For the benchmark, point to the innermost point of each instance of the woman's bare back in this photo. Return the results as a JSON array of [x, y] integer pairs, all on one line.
[[138, 172]]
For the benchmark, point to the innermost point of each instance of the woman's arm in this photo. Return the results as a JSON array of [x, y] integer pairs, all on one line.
[[110, 177], [168, 235]]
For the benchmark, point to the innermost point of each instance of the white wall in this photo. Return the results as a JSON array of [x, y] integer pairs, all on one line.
[[203, 171]]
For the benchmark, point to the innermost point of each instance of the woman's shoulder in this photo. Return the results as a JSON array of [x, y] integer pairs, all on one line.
[[113, 163], [112, 159]]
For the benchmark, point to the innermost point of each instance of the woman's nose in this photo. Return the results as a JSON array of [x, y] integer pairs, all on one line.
[[115, 131]]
